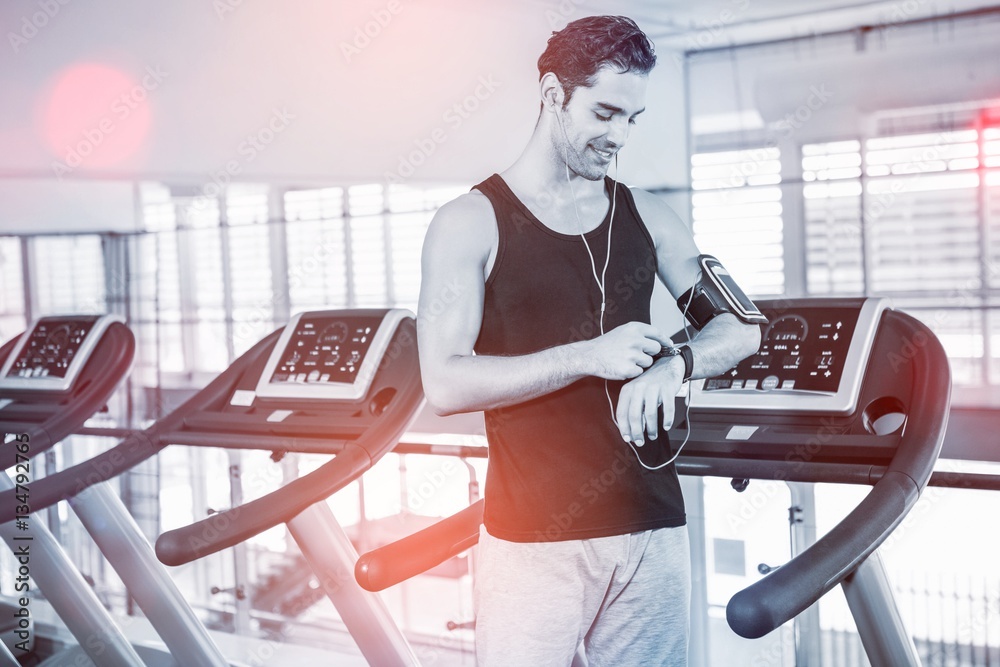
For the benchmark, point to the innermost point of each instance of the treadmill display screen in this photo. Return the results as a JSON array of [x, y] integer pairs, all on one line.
[[803, 350], [325, 350], [51, 347]]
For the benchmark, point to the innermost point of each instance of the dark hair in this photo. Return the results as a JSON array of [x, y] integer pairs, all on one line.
[[578, 51]]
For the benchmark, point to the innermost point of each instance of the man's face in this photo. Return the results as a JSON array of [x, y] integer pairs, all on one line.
[[597, 120]]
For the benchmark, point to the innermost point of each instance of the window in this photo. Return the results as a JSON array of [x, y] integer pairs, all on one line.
[[68, 274], [412, 209], [921, 212], [370, 255], [407, 231], [832, 213], [209, 283], [12, 295], [200, 260], [249, 263], [317, 249], [991, 205], [156, 288], [991, 161], [737, 215], [359, 247], [368, 246], [913, 216]]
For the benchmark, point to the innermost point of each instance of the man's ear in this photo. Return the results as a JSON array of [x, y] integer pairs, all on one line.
[[552, 92]]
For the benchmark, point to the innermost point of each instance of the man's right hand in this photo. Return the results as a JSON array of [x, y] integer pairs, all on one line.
[[625, 351]]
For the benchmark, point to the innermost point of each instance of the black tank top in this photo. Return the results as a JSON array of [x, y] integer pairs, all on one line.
[[558, 468]]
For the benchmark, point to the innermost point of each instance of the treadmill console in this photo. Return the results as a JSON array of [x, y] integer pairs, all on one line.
[[811, 359], [52, 352], [328, 354]]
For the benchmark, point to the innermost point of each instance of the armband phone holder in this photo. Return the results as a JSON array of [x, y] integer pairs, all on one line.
[[715, 293]]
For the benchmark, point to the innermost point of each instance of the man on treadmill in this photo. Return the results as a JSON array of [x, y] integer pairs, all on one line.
[[534, 308]]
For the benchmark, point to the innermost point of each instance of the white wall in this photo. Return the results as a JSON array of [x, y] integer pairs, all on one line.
[[37, 206]]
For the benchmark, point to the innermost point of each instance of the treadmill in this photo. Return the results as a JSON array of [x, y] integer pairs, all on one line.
[[845, 391], [53, 378], [345, 383]]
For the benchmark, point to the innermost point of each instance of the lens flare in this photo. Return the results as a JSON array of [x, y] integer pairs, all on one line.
[[96, 116]]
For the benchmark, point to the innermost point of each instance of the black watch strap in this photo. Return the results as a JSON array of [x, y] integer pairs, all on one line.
[[688, 356]]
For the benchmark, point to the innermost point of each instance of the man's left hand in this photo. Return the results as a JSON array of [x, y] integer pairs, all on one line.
[[640, 400]]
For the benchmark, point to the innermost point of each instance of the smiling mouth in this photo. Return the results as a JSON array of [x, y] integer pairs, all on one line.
[[604, 155]]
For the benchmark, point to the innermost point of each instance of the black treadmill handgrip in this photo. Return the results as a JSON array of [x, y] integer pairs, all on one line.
[[67, 483], [414, 554], [235, 525], [786, 592], [796, 585], [228, 528]]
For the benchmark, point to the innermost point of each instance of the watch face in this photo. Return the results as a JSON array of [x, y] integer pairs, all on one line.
[[667, 352]]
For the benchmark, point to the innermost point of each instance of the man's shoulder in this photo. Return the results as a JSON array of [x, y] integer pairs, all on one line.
[[472, 203], [471, 212], [645, 197], [467, 219], [653, 210]]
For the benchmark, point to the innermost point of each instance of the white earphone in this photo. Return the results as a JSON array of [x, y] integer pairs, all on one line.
[[601, 282]]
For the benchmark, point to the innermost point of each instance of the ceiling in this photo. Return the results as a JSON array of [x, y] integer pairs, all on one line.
[[362, 113], [689, 25]]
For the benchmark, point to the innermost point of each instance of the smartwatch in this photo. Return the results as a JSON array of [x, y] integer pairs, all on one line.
[[685, 353], [688, 356]]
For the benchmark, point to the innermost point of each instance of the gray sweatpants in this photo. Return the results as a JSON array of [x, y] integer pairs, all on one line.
[[626, 598]]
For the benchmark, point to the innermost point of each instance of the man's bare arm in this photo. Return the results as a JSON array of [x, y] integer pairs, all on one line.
[[455, 256], [724, 341], [719, 346]]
